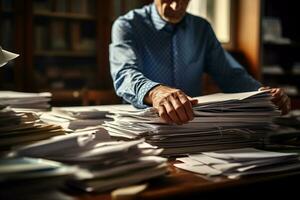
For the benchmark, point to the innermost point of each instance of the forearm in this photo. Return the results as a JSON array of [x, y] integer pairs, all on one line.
[[133, 86], [229, 74], [238, 80]]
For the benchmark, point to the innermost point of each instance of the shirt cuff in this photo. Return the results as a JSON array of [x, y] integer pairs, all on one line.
[[143, 91]]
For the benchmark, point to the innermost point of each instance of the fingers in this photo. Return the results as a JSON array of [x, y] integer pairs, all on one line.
[[187, 104], [163, 114], [286, 106], [171, 112], [277, 95], [176, 108], [281, 100], [173, 105]]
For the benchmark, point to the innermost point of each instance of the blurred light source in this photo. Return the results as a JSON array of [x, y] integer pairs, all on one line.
[[217, 12]]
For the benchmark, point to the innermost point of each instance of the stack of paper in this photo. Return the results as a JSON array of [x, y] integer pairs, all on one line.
[[22, 101], [29, 178], [26, 132], [287, 133], [8, 117], [75, 118], [108, 164], [23, 128], [292, 119], [222, 121], [239, 162]]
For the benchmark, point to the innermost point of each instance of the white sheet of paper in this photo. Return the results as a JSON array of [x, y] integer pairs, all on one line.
[[271, 169], [21, 95], [206, 159], [247, 154], [189, 161], [199, 169], [220, 97], [127, 179], [143, 162], [6, 56]]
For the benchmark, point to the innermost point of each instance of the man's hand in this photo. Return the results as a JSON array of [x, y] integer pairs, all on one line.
[[280, 99], [173, 105]]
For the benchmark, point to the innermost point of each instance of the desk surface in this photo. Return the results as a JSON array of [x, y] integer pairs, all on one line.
[[180, 184]]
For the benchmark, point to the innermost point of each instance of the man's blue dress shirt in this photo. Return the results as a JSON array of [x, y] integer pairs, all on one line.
[[147, 51]]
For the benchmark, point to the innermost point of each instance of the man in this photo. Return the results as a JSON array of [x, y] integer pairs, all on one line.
[[158, 54]]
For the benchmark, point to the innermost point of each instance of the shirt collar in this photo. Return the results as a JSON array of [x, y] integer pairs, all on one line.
[[158, 22]]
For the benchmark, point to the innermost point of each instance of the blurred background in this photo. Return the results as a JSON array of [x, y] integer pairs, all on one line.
[[63, 44]]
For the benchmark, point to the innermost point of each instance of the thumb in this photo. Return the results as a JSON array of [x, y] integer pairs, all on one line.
[[264, 88]]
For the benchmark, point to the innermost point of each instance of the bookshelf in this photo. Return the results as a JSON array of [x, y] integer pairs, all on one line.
[[67, 47], [65, 42], [280, 47], [63, 47]]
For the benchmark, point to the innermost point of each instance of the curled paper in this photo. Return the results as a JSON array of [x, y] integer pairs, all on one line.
[[6, 56]]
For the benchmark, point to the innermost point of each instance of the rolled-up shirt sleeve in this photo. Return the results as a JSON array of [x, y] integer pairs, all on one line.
[[129, 81], [225, 70]]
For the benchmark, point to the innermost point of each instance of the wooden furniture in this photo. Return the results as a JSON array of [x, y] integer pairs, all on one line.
[[280, 47], [248, 30], [274, 64], [64, 45]]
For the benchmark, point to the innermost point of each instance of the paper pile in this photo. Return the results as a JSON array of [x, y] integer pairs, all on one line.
[[239, 162], [222, 121], [8, 117], [287, 133], [75, 118], [29, 178], [22, 101], [108, 164], [23, 128]]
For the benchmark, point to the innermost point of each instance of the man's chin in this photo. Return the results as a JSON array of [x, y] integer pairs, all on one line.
[[173, 20]]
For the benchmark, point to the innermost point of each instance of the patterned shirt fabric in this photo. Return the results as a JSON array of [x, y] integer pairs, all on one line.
[[147, 51]]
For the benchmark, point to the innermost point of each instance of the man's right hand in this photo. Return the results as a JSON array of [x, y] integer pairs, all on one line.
[[173, 105]]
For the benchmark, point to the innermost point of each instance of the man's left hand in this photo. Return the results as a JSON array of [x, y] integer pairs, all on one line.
[[280, 99]]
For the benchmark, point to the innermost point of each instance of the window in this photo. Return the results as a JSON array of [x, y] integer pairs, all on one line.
[[217, 12]]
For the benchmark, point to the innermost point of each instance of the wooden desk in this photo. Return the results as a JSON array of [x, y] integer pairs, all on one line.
[[184, 185]]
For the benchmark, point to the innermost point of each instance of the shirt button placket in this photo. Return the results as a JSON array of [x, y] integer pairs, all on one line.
[[175, 61]]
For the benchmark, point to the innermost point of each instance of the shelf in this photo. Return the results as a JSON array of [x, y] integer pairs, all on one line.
[[71, 16], [64, 54], [57, 34], [284, 75], [281, 45]]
